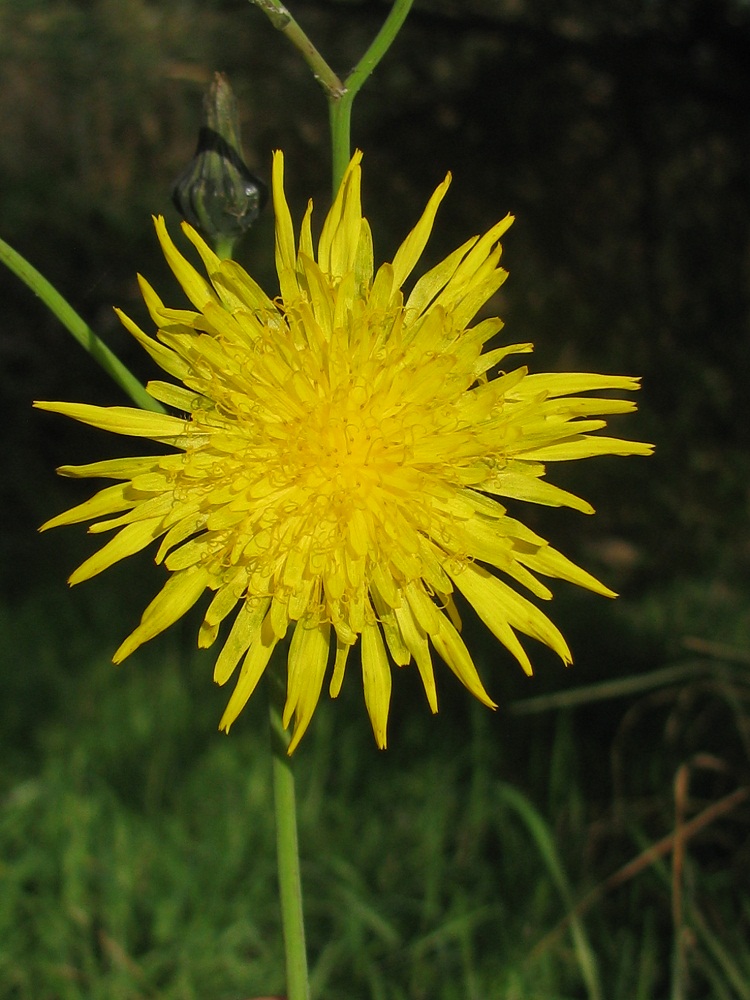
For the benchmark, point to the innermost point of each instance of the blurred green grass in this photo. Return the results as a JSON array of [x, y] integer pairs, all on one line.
[[136, 842]]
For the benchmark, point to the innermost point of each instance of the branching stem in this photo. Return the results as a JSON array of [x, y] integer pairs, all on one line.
[[340, 95]]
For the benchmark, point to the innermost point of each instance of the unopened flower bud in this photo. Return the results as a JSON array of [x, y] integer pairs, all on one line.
[[217, 193]]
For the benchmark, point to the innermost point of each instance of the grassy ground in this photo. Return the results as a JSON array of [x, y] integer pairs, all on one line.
[[483, 856], [590, 840]]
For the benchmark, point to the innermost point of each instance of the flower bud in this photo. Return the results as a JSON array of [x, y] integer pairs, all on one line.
[[217, 193]]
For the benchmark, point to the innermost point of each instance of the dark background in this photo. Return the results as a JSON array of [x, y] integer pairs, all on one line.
[[618, 134]]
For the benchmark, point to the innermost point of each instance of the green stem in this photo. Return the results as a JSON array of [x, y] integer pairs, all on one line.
[[283, 21], [340, 122], [78, 327], [287, 850], [340, 95], [340, 106], [224, 246]]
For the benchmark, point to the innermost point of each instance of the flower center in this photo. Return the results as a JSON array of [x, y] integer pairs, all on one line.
[[340, 450]]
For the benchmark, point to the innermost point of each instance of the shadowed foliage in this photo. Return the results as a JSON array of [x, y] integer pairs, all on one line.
[[135, 842]]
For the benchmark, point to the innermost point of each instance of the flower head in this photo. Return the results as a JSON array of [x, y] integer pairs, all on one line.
[[335, 467]]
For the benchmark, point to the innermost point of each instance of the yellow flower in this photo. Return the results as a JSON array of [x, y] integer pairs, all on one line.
[[338, 461]]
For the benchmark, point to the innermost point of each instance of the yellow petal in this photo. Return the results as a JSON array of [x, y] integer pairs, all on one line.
[[515, 483], [308, 658], [244, 632], [238, 290], [411, 249], [565, 383], [211, 261], [434, 280], [114, 468], [153, 507], [285, 255], [339, 667], [305, 236], [176, 597], [467, 269], [376, 678], [499, 607], [451, 647], [492, 358], [364, 263], [223, 602], [130, 540], [253, 666], [173, 395], [394, 640], [107, 501], [172, 363], [339, 237], [550, 562], [416, 642], [585, 447], [194, 285], [346, 238], [120, 419], [423, 608]]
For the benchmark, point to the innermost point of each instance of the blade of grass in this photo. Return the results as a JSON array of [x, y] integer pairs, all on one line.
[[544, 841], [619, 688], [648, 857], [733, 974]]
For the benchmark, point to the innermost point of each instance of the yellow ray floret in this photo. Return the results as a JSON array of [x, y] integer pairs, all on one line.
[[341, 461]]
